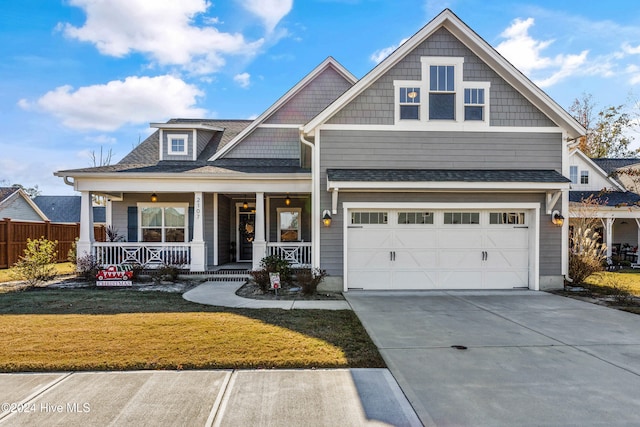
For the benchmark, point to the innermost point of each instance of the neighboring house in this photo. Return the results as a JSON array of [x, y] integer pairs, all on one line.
[[618, 201], [66, 209], [15, 204], [439, 169]]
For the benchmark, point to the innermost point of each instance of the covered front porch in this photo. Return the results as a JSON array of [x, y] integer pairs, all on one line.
[[201, 231]]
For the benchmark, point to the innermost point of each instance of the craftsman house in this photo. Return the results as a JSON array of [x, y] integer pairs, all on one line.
[[444, 167]]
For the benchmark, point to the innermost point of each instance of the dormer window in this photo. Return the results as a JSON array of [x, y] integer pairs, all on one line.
[[177, 144], [409, 103], [442, 95]]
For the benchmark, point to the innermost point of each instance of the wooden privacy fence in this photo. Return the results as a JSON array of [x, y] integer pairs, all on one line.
[[14, 235]]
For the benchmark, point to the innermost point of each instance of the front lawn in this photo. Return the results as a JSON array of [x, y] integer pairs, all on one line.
[[608, 282], [117, 329]]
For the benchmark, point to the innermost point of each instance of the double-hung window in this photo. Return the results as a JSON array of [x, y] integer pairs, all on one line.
[[409, 103], [163, 223], [289, 224], [584, 177], [442, 95], [474, 104], [573, 174]]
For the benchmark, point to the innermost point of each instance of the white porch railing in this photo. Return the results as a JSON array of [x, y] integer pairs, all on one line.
[[148, 255], [298, 254]]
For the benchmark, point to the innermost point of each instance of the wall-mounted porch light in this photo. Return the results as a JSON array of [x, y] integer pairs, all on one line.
[[287, 201], [557, 219], [326, 218], [245, 205], [154, 197]]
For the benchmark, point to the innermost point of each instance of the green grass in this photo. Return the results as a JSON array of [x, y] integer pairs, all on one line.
[[61, 269], [107, 329]]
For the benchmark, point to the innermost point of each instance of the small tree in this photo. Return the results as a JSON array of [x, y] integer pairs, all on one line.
[[586, 253], [36, 265]]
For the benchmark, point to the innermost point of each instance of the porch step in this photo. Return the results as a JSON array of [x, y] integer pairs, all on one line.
[[232, 275]]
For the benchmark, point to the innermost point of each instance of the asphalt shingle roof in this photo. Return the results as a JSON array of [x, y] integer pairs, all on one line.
[[6, 192], [66, 209], [610, 165], [607, 198], [462, 175]]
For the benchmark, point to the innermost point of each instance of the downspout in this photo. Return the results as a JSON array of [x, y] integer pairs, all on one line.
[[570, 145], [315, 203]]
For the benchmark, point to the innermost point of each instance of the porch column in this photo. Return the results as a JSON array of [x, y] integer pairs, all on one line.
[[86, 225], [216, 231], [609, 236], [198, 247], [259, 242]]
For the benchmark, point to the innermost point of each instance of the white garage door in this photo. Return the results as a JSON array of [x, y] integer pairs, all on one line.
[[437, 249]]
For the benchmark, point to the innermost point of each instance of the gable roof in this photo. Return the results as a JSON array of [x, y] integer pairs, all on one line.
[[607, 198], [479, 47], [611, 165], [329, 62], [595, 166], [66, 209], [9, 194]]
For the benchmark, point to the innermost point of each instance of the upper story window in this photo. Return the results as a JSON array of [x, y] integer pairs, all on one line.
[[442, 96], [410, 103], [177, 144], [474, 104], [573, 174], [584, 177]]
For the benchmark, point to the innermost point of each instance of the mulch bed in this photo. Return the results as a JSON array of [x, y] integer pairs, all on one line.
[[251, 290]]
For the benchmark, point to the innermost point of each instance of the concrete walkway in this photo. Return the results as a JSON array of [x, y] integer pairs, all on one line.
[[337, 397], [223, 294], [507, 358]]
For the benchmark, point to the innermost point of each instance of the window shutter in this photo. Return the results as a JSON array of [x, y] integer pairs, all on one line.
[[132, 224], [190, 223]]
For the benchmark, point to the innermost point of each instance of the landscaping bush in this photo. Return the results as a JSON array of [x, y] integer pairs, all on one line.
[[261, 277], [309, 279], [37, 263], [87, 267], [586, 254], [275, 264]]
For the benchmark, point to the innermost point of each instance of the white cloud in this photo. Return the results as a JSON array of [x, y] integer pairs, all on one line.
[[244, 79], [630, 50], [161, 29], [132, 101], [380, 54], [526, 54], [270, 11]]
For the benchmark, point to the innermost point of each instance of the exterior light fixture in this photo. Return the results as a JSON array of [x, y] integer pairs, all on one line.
[[326, 218], [245, 205], [557, 219], [287, 201], [154, 197]]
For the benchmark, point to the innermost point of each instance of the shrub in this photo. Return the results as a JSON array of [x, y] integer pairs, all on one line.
[[309, 279], [275, 264], [586, 254], [261, 277], [87, 267], [36, 265], [166, 273]]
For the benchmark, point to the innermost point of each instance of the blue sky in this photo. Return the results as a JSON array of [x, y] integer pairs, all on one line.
[[78, 75]]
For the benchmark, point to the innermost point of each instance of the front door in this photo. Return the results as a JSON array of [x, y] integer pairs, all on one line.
[[246, 234]]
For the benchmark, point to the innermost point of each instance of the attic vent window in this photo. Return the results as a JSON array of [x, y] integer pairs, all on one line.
[[177, 144]]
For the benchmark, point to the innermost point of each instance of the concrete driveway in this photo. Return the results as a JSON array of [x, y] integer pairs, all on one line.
[[531, 358]]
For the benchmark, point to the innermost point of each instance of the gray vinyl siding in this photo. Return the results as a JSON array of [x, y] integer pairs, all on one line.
[[203, 136], [165, 145], [332, 238], [376, 104], [19, 209], [224, 229], [312, 99], [439, 150], [305, 225], [268, 143]]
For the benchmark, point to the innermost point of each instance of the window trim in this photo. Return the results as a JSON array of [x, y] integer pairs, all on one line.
[[279, 231], [573, 174], [584, 177], [163, 206], [170, 137], [458, 83]]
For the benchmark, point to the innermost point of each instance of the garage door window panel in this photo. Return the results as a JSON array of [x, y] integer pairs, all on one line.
[[360, 218], [507, 218], [462, 218], [423, 218]]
